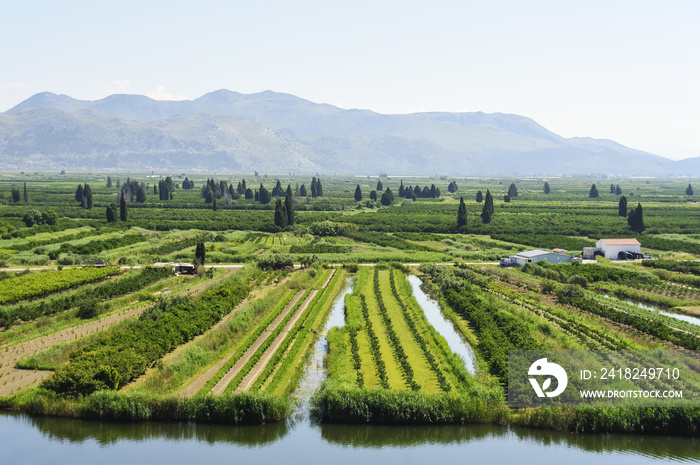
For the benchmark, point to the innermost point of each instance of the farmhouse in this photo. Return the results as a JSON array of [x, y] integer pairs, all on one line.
[[533, 256], [611, 248]]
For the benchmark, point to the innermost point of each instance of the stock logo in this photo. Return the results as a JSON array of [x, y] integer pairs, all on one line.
[[542, 367]]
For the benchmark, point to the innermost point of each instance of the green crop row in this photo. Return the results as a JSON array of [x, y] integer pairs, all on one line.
[[297, 338], [27, 311], [442, 380], [39, 284], [374, 345], [249, 341], [233, 384], [399, 352], [117, 358]]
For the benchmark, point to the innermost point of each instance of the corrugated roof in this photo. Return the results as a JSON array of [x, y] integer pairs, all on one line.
[[532, 253], [620, 242]]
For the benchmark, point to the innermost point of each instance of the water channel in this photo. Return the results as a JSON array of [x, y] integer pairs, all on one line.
[[678, 316], [45, 440]]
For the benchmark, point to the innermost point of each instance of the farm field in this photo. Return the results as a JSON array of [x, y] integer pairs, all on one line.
[[102, 327]]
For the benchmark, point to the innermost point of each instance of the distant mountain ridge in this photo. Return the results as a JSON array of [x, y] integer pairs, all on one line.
[[276, 132]]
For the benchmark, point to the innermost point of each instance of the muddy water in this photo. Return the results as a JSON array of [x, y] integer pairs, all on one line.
[[442, 325]]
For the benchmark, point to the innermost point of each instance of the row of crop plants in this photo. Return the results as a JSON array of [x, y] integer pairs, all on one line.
[[447, 392], [131, 281]]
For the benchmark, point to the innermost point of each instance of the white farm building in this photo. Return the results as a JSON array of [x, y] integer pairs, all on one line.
[[534, 256], [611, 248]]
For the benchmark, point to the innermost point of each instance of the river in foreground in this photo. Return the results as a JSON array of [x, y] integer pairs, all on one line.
[[39, 440]]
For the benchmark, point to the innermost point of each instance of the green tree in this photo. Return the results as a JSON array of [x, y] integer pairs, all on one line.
[[618, 191], [358, 194], [264, 195], [302, 191], [635, 219], [26, 196], [546, 187], [380, 186], [249, 193], [87, 196], [386, 198], [32, 217], [506, 198], [109, 182], [200, 254], [213, 205], [689, 190], [373, 195], [16, 195], [78, 194], [593, 193], [141, 194], [289, 206], [622, 206], [50, 217], [488, 202], [280, 214], [461, 214], [122, 208], [512, 191], [485, 215], [479, 197], [111, 213], [402, 190]]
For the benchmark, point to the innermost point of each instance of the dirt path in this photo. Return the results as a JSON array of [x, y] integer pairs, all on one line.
[[249, 379], [194, 387], [12, 380]]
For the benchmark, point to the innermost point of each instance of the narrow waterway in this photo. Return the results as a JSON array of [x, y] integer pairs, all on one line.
[[442, 325], [679, 316], [315, 370]]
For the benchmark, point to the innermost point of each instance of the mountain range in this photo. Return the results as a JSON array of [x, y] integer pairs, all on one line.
[[272, 132]]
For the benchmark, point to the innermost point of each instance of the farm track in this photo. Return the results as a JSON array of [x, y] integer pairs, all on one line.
[[250, 378], [202, 380], [12, 380]]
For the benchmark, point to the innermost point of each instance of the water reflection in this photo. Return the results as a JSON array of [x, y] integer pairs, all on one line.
[[434, 315]]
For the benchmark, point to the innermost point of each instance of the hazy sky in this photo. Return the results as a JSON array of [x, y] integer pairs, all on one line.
[[622, 70]]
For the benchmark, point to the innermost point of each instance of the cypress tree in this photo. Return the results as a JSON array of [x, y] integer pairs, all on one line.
[[26, 196], [280, 214], [506, 198], [112, 213], [200, 254], [425, 193], [479, 197], [358, 193], [386, 198], [380, 186], [319, 188], [302, 191], [264, 195], [622, 206], [461, 214], [109, 182], [618, 191], [485, 215], [79, 194], [593, 193], [635, 219], [141, 195], [391, 194], [213, 205], [16, 195], [87, 196], [122, 208], [689, 190], [373, 195], [546, 187], [488, 202], [433, 191], [612, 188], [289, 207], [402, 190], [249, 194], [512, 191]]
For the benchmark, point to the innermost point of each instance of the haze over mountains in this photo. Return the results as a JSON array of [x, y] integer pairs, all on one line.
[[273, 133]]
